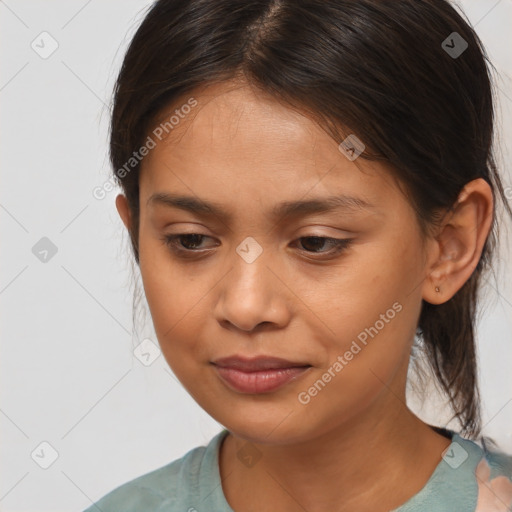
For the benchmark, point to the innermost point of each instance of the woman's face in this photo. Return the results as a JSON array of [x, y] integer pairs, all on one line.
[[254, 284]]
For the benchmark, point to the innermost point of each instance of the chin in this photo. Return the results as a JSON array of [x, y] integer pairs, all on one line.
[[266, 429]]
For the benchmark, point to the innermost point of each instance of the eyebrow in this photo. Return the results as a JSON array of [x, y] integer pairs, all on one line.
[[282, 210]]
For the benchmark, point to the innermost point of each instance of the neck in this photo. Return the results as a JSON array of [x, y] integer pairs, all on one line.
[[374, 463]]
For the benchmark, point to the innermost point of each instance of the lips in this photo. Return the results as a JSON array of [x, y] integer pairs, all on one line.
[[259, 363], [261, 374]]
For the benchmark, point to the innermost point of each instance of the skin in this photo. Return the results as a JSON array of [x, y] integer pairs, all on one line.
[[355, 445]]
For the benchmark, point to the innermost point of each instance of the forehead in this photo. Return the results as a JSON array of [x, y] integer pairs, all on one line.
[[240, 143], [240, 116]]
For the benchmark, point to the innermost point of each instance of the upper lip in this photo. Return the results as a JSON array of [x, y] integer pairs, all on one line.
[[256, 363]]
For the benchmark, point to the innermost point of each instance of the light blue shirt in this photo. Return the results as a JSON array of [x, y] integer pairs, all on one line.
[[192, 484]]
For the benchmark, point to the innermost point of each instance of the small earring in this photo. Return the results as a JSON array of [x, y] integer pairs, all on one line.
[[437, 289]]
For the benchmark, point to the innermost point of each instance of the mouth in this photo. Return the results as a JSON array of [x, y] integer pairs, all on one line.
[[258, 375], [259, 363]]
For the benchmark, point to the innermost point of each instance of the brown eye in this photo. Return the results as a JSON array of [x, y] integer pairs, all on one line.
[[190, 242], [185, 244], [314, 244]]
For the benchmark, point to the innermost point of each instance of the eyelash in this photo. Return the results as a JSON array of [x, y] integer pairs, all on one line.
[[171, 241]]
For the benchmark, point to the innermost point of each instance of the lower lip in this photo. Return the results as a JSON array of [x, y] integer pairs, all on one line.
[[262, 381]]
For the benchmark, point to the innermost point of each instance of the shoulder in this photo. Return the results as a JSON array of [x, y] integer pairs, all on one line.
[[493, 474], [500, 463], [471, 477], [489, 454], [166, 489]]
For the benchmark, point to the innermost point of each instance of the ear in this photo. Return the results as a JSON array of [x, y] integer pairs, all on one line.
[[123, 210], [456, 249]]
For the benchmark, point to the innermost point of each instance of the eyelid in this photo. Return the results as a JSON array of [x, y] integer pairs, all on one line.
[[339, 245]]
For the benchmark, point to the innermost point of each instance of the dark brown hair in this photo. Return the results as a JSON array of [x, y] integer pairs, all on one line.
[[378, 69]]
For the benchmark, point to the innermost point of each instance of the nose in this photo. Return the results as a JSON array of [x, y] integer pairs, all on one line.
[[253, 294]]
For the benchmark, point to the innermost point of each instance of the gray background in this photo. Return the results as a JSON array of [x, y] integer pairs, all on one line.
[[68, 373]]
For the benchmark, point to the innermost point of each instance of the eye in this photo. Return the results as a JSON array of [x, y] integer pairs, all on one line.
[[315, 243], [184, 244]]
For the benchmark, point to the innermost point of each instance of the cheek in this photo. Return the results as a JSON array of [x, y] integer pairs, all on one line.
[[370, 364], [176, 300], [353, 298], [372, 312]]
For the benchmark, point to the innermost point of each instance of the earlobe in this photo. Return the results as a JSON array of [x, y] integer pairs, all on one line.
[[123, 210], [460, 242]]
